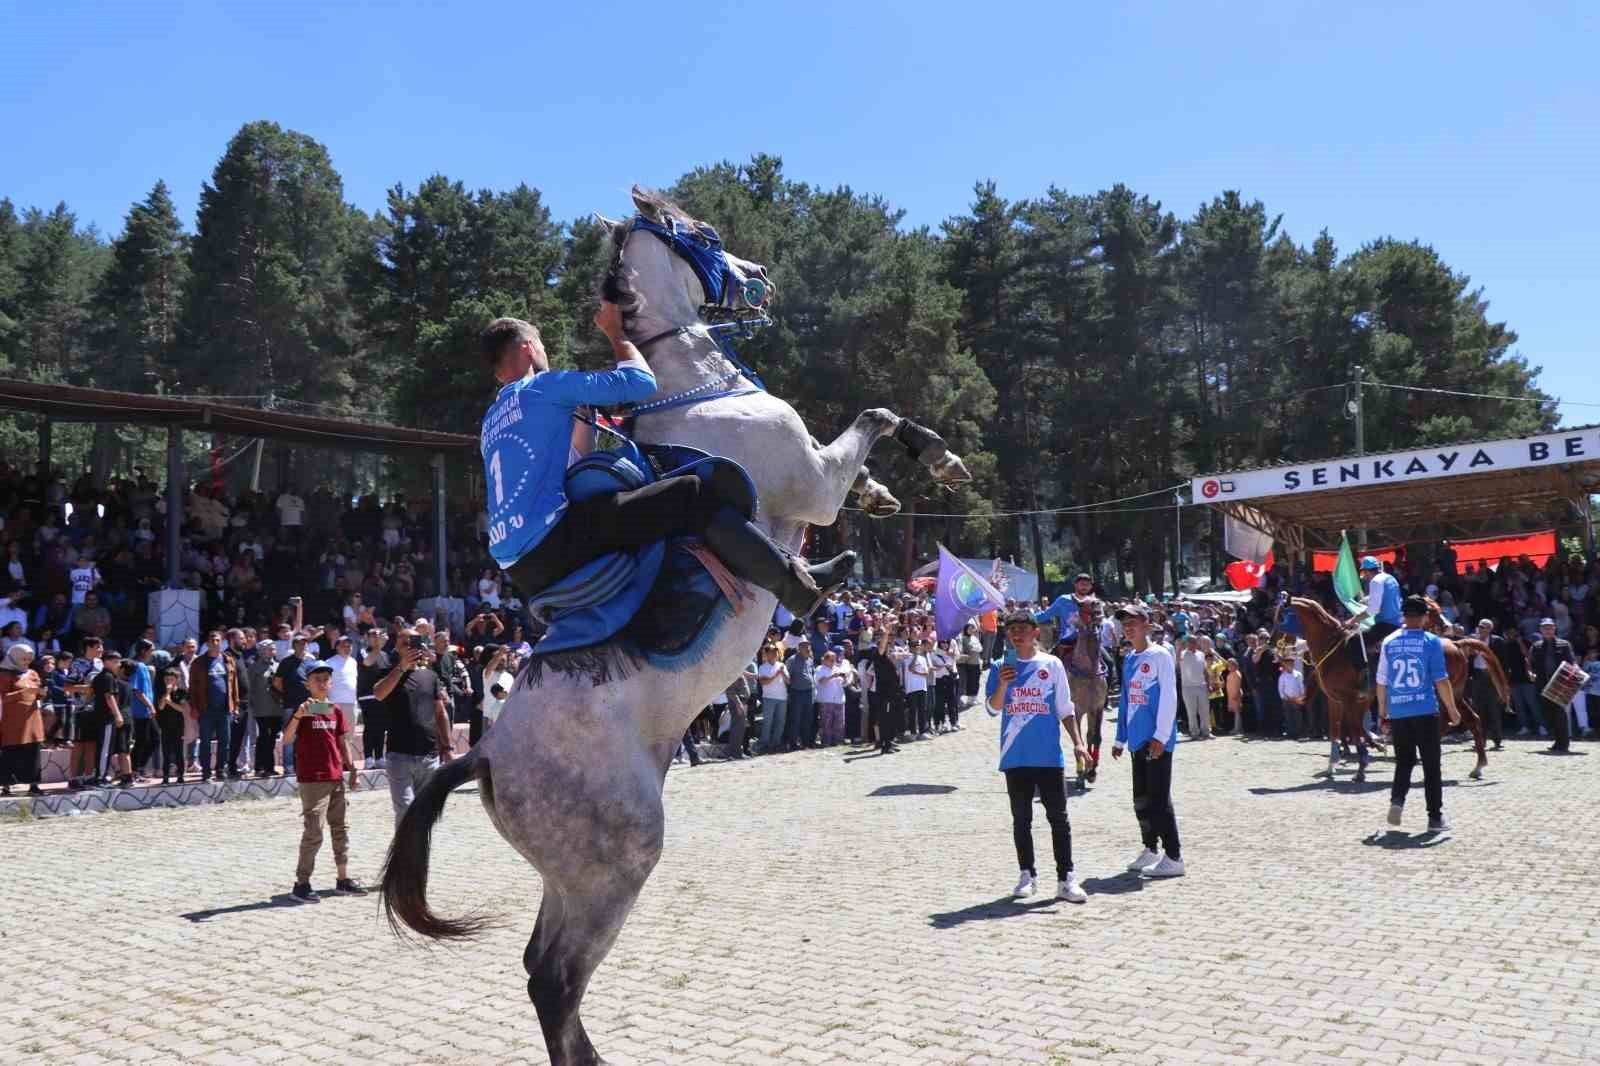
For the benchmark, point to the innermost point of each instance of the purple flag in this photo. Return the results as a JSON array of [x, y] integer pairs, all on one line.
[[960, 594]]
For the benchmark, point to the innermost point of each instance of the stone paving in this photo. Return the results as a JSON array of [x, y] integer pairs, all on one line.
[[841, 907]]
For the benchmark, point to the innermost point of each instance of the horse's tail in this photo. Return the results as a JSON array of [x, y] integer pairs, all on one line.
[[1497, 673], [405, 871]]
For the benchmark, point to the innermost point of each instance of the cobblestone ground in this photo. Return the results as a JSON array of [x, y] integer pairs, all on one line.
[[845, 908]]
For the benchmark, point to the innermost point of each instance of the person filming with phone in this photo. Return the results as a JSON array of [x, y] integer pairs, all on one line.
[[419, 719]]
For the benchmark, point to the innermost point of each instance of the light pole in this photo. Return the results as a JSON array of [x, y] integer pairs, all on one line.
[[1177, 544], [1353, 410]]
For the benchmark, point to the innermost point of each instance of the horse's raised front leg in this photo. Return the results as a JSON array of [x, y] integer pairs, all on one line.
[[929, 449], [876, 500]]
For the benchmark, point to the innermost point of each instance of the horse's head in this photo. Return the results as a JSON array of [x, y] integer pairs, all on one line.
[[669, 271]]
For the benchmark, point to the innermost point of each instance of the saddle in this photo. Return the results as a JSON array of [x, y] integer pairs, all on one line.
[[660, 596]]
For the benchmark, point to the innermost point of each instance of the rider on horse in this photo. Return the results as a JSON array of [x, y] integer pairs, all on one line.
[[1383, 606], [540, 537], [1075, 616]]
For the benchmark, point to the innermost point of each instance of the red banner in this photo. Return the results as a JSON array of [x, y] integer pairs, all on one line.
[[1536, 546], [1325, 562]]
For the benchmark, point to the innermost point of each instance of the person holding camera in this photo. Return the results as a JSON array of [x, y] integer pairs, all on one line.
[[322, 758], [418, 718]]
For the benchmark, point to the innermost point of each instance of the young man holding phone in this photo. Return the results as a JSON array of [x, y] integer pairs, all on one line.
[[1030, 693], [322, 757]]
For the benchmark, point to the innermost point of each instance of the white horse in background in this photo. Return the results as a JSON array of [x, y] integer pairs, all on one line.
[[572, 773]]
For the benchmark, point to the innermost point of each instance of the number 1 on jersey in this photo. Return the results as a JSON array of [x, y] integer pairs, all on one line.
[[494, 472]]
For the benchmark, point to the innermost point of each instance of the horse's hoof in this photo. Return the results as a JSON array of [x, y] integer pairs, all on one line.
[[878, 502], [950, 471]]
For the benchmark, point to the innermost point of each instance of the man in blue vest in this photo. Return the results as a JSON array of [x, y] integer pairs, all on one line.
[[1412, 682], [1383, 601], [540, 537], [1383, 607]]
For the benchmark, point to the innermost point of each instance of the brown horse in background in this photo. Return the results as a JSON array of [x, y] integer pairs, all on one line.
[[1347, 701]]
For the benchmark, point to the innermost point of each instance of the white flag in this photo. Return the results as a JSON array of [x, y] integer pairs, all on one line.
[[1244, 541]]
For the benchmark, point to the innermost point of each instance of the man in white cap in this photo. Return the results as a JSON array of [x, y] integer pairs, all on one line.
[[1546, 656]]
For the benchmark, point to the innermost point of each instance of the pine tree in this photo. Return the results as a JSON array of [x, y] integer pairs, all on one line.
[[267, 309], [138, 302]]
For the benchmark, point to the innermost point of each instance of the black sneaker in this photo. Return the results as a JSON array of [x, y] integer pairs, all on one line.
[[303, 894], [349, 886], [1438, 825]]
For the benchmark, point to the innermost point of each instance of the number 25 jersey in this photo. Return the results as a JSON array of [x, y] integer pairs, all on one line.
[[524, 442]]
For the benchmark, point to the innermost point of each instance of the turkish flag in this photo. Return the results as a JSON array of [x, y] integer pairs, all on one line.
[[1247, 575]]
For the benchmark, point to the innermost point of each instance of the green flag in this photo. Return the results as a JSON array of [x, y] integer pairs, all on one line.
[[1347, 581]]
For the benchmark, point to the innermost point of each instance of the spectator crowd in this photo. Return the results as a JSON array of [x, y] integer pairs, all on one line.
[[289, 583]]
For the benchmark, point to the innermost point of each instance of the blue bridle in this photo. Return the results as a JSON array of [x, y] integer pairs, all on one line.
[[700, 246]]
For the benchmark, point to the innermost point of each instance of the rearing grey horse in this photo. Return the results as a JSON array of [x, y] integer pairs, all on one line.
[[572, 772]]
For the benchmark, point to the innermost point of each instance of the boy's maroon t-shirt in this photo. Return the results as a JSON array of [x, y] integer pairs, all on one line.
[[317, 755]]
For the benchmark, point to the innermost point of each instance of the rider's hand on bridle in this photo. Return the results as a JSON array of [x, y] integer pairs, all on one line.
[[608, 320]]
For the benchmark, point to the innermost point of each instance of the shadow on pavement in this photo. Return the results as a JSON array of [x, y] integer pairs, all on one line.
[[1561, 754], [1121, 884], [912, 790], [1004, 907], [1322, 784], [284, 900], [1399, 840]]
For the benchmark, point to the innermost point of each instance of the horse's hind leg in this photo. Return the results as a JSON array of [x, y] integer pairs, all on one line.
[[575, 931]]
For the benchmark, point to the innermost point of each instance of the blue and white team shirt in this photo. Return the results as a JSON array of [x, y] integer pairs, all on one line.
[[1035, 705], [1410, 662], [1148, 705], [1383, 598], [525, 438]]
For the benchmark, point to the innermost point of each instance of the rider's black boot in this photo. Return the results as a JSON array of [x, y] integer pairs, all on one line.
[[752, 555]]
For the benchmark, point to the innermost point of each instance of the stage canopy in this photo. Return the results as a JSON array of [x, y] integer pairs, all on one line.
[[1457, 491]]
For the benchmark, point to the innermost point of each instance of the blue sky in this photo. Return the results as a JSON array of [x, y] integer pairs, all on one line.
[[1463, 124]]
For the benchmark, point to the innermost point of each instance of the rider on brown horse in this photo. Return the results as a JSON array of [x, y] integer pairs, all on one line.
[[1078, 645]]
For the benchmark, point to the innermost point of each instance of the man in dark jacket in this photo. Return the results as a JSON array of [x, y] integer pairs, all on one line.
[[1480, 684], [1546, 657], [1513, 652]]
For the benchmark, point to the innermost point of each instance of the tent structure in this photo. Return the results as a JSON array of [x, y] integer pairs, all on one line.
[[1468, 490]]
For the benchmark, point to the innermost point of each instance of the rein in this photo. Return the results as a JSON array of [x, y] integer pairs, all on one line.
[[720, 334]]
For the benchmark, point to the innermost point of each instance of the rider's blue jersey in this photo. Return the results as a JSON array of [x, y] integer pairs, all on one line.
[[1410, 662], [1386, 590], [525, 438]]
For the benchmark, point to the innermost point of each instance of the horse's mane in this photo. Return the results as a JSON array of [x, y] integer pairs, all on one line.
[[601, 664], [1314, 609]]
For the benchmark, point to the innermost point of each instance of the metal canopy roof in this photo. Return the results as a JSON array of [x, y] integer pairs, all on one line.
[[1462, 505], [71, 403]]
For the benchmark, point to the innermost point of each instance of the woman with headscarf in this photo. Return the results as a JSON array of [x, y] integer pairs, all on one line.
[[21, 724]]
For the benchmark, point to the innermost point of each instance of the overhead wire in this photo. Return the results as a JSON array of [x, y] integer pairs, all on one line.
[[1481, 395]]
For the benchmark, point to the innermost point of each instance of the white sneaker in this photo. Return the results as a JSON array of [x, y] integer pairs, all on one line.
[[1026, 886], [1146, 858], [380, 763], [1395, 811], [368, 764], [1070, 891], [1167, 867]]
